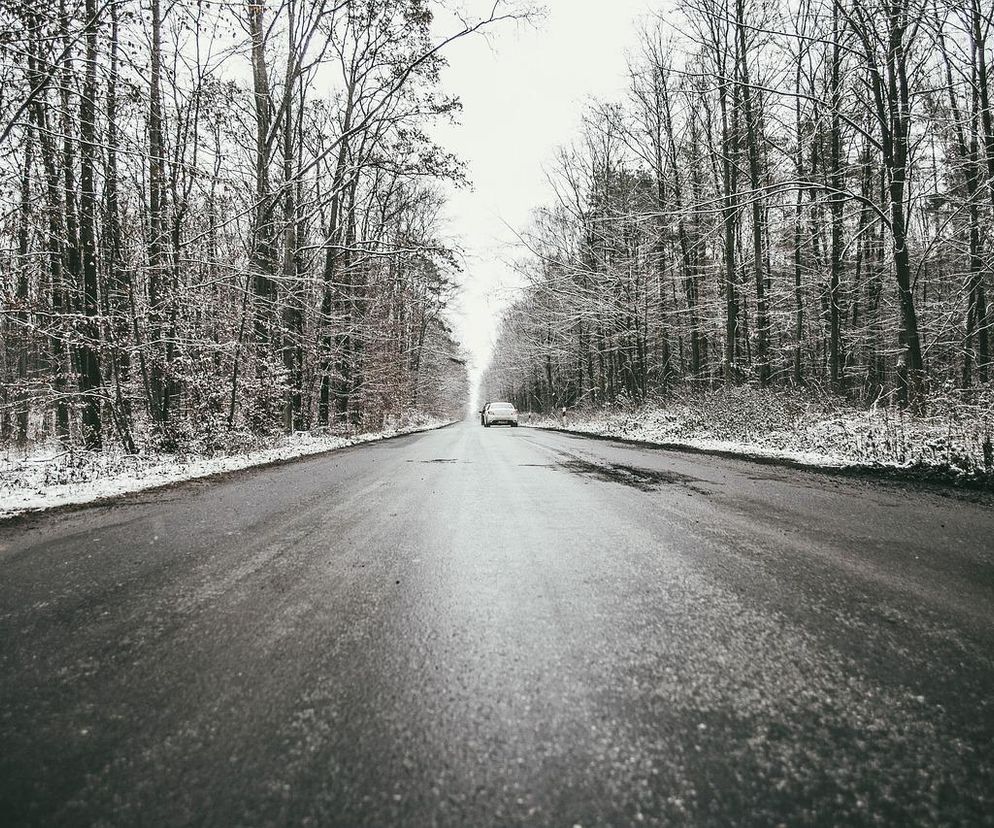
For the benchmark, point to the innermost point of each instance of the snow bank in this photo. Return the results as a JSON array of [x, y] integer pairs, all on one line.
[[948, 437], [49, 476]]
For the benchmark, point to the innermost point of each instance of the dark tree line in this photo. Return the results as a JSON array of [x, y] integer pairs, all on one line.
[[222, 218], [790, 195]]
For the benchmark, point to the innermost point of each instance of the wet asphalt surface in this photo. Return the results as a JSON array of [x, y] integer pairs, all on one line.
[[489, 627]]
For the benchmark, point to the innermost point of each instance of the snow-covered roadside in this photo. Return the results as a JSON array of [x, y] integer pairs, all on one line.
[[43, 480], [952, 442], [746, 450]]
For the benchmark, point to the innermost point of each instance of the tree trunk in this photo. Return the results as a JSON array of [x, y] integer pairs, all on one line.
[[729, 140], [117, 286], [753, 130], [836, 203], [158, 403], [263, 256]]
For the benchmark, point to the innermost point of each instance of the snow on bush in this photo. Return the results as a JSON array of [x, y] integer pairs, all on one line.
[[948, 434], [47, 475]]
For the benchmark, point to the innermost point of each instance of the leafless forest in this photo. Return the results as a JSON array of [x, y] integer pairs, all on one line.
[[791, 194], [222, 218]]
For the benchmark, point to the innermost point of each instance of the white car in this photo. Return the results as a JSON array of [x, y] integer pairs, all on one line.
[[500, 412]]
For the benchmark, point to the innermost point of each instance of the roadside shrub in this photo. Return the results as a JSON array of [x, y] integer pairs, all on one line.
[[949, 433]]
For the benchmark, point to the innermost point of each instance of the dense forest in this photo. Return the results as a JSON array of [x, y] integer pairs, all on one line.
[[222, 217], [791, 194]]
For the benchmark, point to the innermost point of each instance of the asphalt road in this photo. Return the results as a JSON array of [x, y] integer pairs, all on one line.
[[502, 627]]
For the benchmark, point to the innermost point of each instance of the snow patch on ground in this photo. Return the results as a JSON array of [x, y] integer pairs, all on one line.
[[48, 476], [954, 439]]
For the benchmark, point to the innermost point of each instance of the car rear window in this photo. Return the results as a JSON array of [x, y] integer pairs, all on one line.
[[502, 407]]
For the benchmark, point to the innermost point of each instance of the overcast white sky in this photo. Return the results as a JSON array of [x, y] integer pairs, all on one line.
[[523, 93]]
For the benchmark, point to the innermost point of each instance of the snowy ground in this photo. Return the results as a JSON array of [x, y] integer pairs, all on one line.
[[49, 476], [948, 440]]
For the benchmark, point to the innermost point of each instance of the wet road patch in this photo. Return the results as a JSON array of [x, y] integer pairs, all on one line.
[[645, 480]]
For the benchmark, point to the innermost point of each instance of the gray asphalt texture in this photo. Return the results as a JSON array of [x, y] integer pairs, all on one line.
[[502, 627]]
